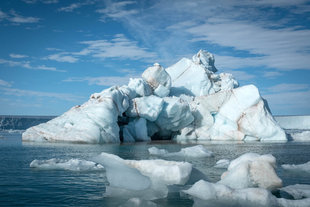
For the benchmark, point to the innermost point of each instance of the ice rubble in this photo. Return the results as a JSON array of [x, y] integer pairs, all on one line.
[[146, 179], [248, 182], [215, 194], [298, 191], [188, 100], [302, 168], [197, 151], [61, 164]]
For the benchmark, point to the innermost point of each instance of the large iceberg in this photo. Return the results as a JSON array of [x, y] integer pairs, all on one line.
[[188, 100]]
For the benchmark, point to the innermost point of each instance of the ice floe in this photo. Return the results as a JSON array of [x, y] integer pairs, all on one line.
[[146, 179], [215, 194], [223, 163], [298, 191], [197, 151], [252, 170], [303, 168], [62, 164]]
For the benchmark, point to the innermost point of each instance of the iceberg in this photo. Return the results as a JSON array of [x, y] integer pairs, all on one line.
[[215, 194], [303, 136], [186, 101], [252, 170], [61, 164]]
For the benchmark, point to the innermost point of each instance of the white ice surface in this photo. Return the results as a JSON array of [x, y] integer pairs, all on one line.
[[210, 194], [293, 122], [147, 107], [304, 168], [303, 136], [197, 151], [223, 163], [138, 202], [62, 164], [136, 130], [252, 170], [146, 179]]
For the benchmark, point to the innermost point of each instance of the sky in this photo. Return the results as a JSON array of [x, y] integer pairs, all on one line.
[[55, 53]]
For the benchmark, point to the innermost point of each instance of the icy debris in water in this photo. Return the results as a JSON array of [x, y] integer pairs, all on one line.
[[215, 194], [197, 151], [138, 202], [223, 163], [298, 191], [252, 170], [62, 164], [298, 168]]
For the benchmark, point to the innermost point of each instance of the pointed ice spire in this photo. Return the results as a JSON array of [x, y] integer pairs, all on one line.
[[206, 59]]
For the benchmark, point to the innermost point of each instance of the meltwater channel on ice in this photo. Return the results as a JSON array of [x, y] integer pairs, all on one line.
[[181, 136]]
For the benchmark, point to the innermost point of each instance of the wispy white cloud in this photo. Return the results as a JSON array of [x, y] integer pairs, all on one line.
[[42, 1], [117, 10], [288, 87], [5, 83], [20, 92], [13, 55], [19, 19], [272, 74], [118, 47], [62, 57], [74, 6], [27, 65], [241, 75]]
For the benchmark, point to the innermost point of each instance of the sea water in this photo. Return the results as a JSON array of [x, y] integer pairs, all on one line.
[[21, 185]]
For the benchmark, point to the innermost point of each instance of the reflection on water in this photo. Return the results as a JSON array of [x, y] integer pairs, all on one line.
[[21, 185]]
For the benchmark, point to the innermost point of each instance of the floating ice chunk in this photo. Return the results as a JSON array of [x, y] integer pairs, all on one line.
[[158, 79], [298, 168], [303, 136], [197, 151], [156, 151], [221, 195], [223, 163], [138, 202], [136, 130], [252, 170], [175, 114], [298, 191], [120, 175], [61, 164], [146, 179], [166, 172], [147, 107], [139, 88]]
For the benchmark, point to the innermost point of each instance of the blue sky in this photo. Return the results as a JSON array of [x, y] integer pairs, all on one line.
[[55, 53]]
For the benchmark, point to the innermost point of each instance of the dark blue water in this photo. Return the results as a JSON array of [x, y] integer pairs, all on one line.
[[21, 185]]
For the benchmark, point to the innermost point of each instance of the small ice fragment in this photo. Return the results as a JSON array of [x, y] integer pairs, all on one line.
[[298, 168], [298, 191], [223, 163], [61, 164]]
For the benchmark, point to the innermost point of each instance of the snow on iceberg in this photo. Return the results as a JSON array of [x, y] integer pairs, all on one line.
[[303, 136], [61, 164], [252, 170], [214, 194], [146, 179], [197, 151], [188, 100], [303, 168]]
